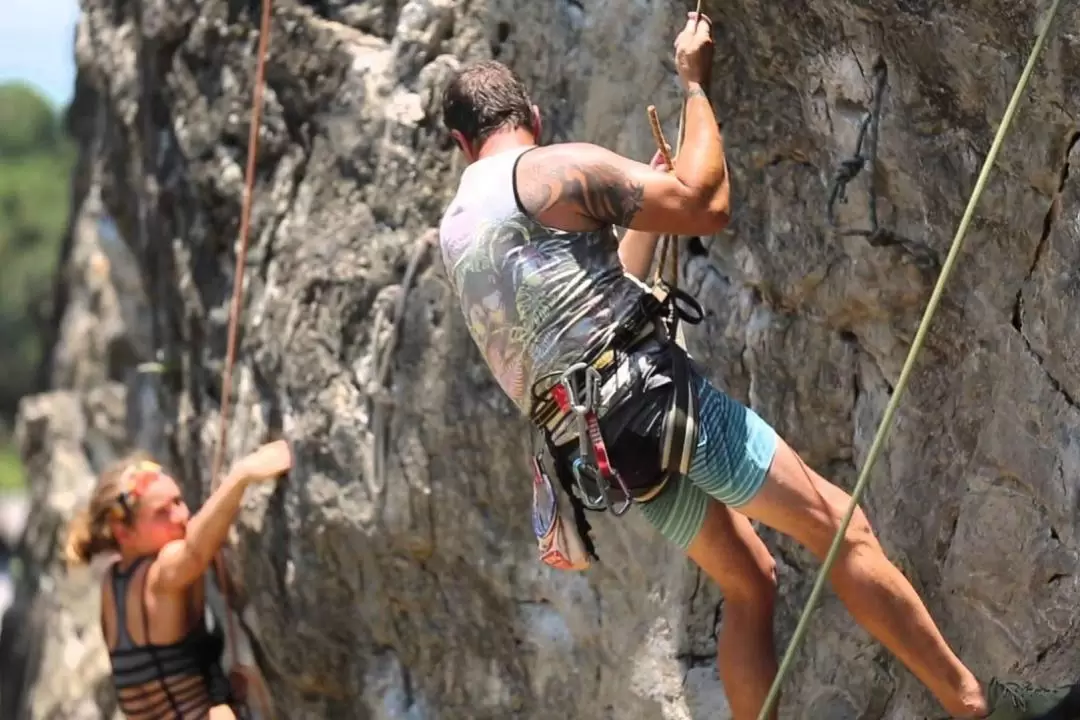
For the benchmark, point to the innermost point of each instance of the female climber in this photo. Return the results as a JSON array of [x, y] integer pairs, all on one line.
[[165, 663]]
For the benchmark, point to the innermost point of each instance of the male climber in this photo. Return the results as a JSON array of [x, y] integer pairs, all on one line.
[[530, 249]]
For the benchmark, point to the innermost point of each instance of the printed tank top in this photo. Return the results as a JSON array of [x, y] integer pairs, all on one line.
[[536, 299]]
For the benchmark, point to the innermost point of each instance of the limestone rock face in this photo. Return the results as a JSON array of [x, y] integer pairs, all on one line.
[[392, 575]]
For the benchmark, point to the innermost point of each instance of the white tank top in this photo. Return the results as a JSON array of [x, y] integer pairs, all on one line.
[[536, 299]]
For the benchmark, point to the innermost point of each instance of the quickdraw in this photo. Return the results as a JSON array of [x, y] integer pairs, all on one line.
[[578, 394]]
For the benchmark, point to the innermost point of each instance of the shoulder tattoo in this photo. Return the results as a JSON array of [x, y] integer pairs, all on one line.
[[596, 190]]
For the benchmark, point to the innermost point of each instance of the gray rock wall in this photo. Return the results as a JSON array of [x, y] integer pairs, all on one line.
[[392, 575]]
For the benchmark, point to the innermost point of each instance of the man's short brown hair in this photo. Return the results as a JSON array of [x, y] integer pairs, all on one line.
[[485, 97]]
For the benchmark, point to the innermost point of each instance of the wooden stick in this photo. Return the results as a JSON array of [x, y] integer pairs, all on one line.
[[666, 241], [658, 135]]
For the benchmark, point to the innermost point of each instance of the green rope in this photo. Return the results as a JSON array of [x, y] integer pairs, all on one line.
[[916, 346]]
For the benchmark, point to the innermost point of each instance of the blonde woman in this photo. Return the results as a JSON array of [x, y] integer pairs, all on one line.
[[165, 662]]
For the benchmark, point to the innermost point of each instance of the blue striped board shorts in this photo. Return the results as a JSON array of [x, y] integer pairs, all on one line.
[[734, 450]]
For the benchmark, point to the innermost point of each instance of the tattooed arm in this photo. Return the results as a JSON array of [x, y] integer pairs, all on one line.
[[579, 186]]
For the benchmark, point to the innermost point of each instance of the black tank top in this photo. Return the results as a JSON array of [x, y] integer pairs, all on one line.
[[178, 681]]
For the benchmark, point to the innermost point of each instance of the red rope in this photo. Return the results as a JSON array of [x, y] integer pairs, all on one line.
[[237, 297]]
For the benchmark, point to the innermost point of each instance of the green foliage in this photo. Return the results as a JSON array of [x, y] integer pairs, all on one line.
[[36, 159], [28, 124], [11, 470]]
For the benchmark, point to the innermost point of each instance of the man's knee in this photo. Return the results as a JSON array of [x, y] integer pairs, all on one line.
[[801, 491], [732, 554], [756, 586], [858, 538], [752, 580]]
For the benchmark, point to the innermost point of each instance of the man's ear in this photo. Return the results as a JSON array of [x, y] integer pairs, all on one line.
[[537, 123], [464, 145]]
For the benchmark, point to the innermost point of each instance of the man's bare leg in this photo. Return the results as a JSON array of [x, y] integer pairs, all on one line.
[[729, 551], [798, 502]]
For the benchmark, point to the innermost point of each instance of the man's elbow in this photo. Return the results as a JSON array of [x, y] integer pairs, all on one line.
[[717, 219], [712, 214]]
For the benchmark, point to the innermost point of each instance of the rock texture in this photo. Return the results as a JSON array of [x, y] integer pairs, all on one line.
[[392, 574]]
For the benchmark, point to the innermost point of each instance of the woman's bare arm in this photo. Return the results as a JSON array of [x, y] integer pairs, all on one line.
[[182, 562]]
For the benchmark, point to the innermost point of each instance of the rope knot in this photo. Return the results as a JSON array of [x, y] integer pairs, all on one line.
[[844, 174], [851, 167]]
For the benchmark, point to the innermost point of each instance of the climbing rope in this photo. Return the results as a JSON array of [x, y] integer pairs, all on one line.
[[916, 346], [245, 227], [235, 309]]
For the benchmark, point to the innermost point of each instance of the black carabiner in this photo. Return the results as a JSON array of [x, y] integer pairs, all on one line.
[[686, 306]]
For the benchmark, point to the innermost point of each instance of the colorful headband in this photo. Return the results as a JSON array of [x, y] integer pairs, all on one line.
[[133, 484]]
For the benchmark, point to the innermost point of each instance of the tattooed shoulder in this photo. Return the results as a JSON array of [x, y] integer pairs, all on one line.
[[597, 190]]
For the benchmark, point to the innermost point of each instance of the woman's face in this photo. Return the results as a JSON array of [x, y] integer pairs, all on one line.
[[161, 516]]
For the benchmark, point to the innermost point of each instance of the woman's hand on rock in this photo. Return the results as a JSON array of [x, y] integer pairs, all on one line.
[[266, 463]]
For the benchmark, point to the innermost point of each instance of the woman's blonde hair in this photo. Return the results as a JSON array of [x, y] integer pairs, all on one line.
[[90, 531]]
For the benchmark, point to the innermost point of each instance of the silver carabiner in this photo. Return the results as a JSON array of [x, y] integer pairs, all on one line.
[[584, 397], [578, 405]]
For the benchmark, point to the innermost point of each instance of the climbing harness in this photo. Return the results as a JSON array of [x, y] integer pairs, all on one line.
[[850, 168], [591, 482], [905, 373]]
